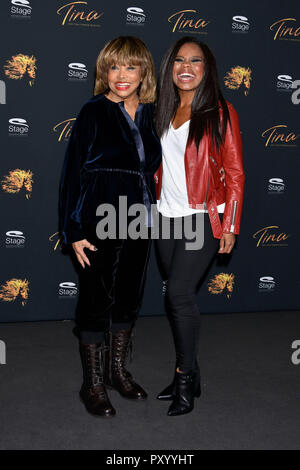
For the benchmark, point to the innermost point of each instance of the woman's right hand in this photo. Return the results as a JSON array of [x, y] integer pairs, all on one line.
[[79, 251]]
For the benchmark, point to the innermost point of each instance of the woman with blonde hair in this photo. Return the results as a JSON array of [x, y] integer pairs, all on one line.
[[113, 151]]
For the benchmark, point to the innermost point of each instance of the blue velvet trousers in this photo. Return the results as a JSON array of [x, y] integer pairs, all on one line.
[[111, 289]]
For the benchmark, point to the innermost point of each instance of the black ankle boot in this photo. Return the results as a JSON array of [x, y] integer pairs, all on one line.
[[169, 392], [93, 393], [116, 375], [186, 389]]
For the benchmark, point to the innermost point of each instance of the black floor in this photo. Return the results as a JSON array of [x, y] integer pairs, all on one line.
[[250, 399]]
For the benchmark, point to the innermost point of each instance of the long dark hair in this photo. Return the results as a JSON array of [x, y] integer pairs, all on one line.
[[205, 115]]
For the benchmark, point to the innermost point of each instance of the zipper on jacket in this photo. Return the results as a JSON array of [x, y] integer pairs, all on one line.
[[213, 160], [233, 216], [207, 188]]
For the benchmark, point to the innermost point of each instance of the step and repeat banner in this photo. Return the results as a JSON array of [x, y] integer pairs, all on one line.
[[47, 69]]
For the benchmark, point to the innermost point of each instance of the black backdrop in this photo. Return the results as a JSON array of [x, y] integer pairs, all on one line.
[[257, 48]]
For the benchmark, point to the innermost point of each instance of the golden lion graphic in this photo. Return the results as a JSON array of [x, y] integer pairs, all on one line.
[[13, 288], [19, 65], [222, 283], [239, 77], [16, 179]]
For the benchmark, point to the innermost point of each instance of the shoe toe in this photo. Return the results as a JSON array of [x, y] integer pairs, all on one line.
[[176, 409]]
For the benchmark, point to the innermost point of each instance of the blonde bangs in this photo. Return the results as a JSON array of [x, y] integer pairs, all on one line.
[[127, 50], [123, 54]]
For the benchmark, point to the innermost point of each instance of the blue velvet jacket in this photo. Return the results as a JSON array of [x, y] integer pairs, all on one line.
[[108, 155]]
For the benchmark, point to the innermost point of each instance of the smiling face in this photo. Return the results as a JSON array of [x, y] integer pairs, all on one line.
[[123, 81], [188, 68]]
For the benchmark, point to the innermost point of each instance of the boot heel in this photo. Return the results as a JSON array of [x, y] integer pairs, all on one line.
[[197, 391]]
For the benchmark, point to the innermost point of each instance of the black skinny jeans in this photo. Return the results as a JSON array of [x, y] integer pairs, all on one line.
[[184, 270]]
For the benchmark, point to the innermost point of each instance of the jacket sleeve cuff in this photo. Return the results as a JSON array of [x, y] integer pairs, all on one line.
[[72, 234], [227, 226]]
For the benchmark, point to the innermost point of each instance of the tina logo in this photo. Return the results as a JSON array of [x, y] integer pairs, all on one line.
[[84, 16], [64, 129], [239, 78], [286, 29], [279, 136], [222, 283], [267, 236], [14, 289], [16, 180], [56, 239], [20, 66], [188, 21]]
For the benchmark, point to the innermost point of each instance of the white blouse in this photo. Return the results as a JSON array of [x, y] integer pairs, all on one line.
[[173, 197]]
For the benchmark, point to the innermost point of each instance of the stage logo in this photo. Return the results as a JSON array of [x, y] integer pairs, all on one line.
[[18, 127], [15, 289], [270, 236], [67, 290], [266, 284], [20, 66], [135, 16], [240, 24], [222, 283], [188, 21], [239, 78], [286, 29], [20, 9], [16, 180], [284, 83], [77, 72], [63, 129], [276, 186], [15, 239], [280, 136], [72, 16]]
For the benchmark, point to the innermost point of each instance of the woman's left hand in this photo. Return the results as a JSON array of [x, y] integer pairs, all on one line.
[[227, 243]]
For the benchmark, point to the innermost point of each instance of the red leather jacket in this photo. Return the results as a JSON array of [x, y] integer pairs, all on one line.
[[204, 185]]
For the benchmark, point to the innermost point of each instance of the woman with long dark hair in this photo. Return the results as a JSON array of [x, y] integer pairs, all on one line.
[[200, 135], [113, 151]]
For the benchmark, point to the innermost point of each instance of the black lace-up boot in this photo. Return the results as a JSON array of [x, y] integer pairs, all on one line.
[[116, 376], [93, 392]]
